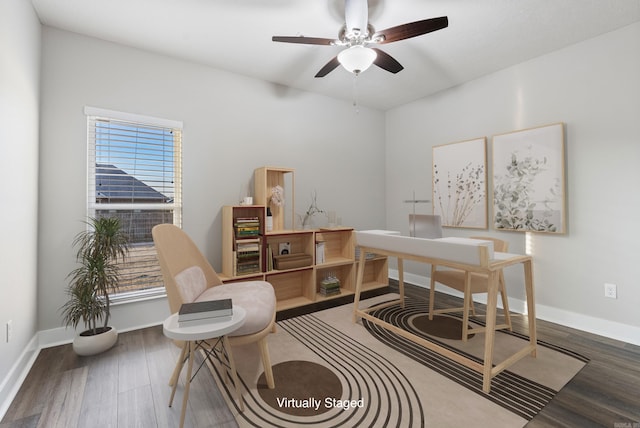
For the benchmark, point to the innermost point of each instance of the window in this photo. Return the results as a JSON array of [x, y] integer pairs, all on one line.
[[134, 173]]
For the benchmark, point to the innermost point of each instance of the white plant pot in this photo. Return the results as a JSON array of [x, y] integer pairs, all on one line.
[[92, 345]]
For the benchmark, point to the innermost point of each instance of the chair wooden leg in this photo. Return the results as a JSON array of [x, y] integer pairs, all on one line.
[[432, 292], [266, 362], [467, 301], [234, 372]]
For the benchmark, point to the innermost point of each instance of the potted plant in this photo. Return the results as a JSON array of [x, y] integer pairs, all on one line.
[[99, 248]]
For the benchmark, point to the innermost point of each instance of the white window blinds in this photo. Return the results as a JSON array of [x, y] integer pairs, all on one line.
[[134, 173]]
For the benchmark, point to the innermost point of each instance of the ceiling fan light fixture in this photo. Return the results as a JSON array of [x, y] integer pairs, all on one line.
[[357, 58]]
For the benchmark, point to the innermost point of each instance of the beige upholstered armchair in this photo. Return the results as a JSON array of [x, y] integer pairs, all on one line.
[[188, 277], [469, 283]]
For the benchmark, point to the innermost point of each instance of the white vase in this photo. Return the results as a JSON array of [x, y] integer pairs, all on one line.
[[86, 345]]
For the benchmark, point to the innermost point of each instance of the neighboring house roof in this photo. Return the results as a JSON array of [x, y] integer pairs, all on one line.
[[113, 185]]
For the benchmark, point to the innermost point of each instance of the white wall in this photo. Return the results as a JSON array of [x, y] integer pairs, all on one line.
[[594, 87], [232, 125], [19, 99]]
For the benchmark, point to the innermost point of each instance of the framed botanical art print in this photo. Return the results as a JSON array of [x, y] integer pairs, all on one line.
[[529, 181], [459, 178]]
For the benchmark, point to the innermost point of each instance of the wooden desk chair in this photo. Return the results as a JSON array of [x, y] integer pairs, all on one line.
[[188, 277], [469, 283]]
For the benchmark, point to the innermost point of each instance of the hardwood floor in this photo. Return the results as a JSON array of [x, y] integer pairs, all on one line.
[[127, 386], [605, 393]]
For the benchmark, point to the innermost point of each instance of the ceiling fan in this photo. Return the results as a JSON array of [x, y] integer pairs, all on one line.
[[357, 35]]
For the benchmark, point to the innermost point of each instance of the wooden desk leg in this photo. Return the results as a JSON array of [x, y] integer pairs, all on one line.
[[187, 382], [234, 373], [173, 382], [359, 279], [492, 300], [401, 281], [531, 305]]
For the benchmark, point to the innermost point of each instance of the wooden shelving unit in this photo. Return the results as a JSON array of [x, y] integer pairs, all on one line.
[[376, 270], [300, 285]]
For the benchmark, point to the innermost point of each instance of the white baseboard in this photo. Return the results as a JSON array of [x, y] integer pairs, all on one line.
[[12, 382], [611, 329]]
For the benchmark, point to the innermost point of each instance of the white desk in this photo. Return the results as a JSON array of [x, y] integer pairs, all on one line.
[[457, 253], [193, 336]]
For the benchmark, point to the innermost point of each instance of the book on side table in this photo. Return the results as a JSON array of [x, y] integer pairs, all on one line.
[[204, 312]]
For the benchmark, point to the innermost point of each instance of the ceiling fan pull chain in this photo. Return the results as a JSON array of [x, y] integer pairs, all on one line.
[[355, 93]]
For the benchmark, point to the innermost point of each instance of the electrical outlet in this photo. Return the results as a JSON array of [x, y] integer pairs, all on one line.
[[9, 330], [610, 290]]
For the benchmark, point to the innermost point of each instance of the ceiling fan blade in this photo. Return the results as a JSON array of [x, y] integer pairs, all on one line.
[[303, 40], [412, 29], [328, 67], [387, 62]]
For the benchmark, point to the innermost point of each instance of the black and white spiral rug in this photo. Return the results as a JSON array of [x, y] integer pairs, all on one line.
[[331, 372]]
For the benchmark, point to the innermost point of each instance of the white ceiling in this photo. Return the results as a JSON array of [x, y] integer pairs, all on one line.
[[235, 35]]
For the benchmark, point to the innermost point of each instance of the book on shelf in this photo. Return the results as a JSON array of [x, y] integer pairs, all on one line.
[[247, 220], [247, 268], [319, 252], [269, 258], [247, 227], [367, 256], [248, 254], [330, 287], [246, 257], [247, 233], [205, 309], [326, 293], [252, 245], [331, 291]]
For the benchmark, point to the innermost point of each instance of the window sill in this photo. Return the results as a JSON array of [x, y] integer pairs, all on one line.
[[138, 296]]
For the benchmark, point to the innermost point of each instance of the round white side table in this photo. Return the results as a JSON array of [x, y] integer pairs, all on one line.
[[192, 336]]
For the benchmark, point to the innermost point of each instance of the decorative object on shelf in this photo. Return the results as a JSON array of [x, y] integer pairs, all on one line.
[[292, 261], [330, 286], [460, 183], [332, 219], [284, 248], [277, 196], [269, 221], [528, 180], [99, 248], [277, 199], [307, 219], [367, 256]]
